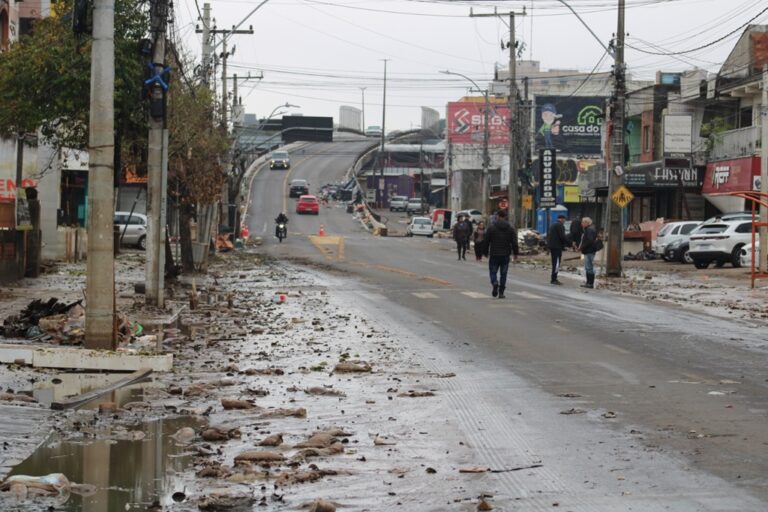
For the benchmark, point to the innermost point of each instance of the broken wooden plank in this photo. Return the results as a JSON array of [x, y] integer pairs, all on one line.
[[133, 378]]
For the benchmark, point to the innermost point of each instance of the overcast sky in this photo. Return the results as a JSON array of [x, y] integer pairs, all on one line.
[[318, 53]]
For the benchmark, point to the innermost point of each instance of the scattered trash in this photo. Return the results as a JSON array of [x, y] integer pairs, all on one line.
[[573, 411], [352, 367], [55, 483]]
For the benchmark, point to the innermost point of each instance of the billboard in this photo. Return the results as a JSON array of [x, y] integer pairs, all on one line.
[[735, 175], [571, 124], [677, 135], [466, 123]]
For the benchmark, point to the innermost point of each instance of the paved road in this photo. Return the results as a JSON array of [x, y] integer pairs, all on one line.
[[675, 401]]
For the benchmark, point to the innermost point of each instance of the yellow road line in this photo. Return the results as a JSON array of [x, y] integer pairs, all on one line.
[[617, 349]]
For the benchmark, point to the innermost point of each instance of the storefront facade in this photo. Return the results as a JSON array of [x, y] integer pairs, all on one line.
[[734, 175], [663, 191]]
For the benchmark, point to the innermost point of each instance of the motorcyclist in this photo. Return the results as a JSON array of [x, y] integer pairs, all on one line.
[[282, 218]]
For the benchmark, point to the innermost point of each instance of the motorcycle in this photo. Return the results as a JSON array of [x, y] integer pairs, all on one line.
[[282, 232]]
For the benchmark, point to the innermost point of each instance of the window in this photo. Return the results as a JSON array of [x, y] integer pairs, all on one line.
[[676, 230], [136, 221], [687, 229], [745, 227], [712, 229], [646, 139]]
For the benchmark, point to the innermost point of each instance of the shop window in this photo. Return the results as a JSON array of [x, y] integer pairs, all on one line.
[[745, 117], [74, 198]]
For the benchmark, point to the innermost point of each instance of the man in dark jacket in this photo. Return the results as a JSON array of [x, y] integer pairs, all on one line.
[[462, 233], [501, 239], [576, 231], [588, 247], [556, 242]]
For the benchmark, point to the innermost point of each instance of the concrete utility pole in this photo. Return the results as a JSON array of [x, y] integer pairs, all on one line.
[[383, 134], [207, 46], [615, 220], [764, 173], [100, 270], [156, 172], [512, 102], [486, 155]]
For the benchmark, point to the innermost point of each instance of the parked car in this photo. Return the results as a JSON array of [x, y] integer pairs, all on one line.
[[298, 188], [398, 203], [729, 216], [474, 215], [746, 255], [672, 232], [417, 205], [720, 242], [280, 160], [308, 204], [679, 250], [420, 226], [133, 228]]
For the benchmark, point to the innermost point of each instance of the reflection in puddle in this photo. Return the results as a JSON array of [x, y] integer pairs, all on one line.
[[128, 475]]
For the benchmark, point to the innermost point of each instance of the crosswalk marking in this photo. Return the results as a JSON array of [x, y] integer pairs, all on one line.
[[476, 295], [528, 295], [425, 295]]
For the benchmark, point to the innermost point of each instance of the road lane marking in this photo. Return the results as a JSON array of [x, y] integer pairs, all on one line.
[[617, 349], [528, 295], [476, 295], [425, 295]]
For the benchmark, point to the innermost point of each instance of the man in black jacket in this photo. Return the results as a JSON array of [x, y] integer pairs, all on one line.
[[556, 242], [588, 247], [576, 232], [501, 242]]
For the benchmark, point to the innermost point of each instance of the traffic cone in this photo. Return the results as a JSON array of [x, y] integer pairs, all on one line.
[[322, 231]]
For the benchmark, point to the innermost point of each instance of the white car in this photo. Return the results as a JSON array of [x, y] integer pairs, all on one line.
[[671, 233], [133, 228], [474, 215], [720, 242], [746, 254], [420, 226]]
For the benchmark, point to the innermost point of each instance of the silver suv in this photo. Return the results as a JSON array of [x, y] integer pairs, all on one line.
[[398, 203], [133, 228], [417, 205]]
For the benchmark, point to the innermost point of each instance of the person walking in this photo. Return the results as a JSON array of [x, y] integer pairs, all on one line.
[[575, 233], [462, 233], [557, 242], [500, 243], [588, 247], [479, 238]]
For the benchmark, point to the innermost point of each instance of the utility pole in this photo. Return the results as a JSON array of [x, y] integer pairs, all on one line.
[[764, 174], [616, 180], [100, 322], [156, 171], [383, 135], [486, 156], [362, 121], [207, 46], [512, 102]]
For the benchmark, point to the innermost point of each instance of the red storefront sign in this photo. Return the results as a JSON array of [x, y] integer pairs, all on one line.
[[737, 175], [466, 123]]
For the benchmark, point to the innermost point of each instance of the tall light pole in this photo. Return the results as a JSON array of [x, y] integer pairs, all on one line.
[[486, 135], [383, 134], [362, 121]]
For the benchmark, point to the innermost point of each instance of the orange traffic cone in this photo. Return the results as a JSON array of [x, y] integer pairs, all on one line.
[[322, 231]]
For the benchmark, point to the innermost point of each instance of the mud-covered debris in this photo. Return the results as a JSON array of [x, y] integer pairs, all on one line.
[[324, 391], [431, 471], [320, 505], [198, 390], [264, 371], [337, 432], [416, 394], [227, 381], [382, 441], [213, 470], [20, 485], [184, 435], [233, 403], [226, 500], [609, 415], [573, 410], [569, 395], [17, 397], [277, 413], [318, 440], [260, 456], [352, 367], [484, 505], [137, 405], [108, 407], [273, 440], [302, 477], [257, 391], [220, 433], [475, 469]]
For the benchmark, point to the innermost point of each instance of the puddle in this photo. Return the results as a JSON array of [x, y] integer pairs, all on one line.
[[127, 475], [67, 385]]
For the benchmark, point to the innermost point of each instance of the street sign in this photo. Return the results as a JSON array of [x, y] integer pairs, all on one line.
[[528, 202], [622, 197], [547, 180]]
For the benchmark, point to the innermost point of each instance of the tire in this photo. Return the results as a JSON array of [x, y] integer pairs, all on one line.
[[701, 264], [685, 256], [665, 258], [736, 256], [142, 243], [720, 263]]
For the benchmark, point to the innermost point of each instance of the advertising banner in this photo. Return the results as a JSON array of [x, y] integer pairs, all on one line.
[[547, 182], [735, 175], [570, 124], [677, 135], [466, 123], [657, 175]]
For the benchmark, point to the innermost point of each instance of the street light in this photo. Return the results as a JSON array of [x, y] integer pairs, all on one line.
[[486, 157]]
